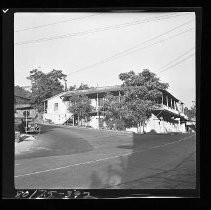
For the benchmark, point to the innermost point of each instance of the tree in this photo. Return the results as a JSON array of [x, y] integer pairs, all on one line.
[[20, 91], [114, 111], [80, 105], [45, 85], [191, 113], [83, 87], [141, 94], [71, 88]]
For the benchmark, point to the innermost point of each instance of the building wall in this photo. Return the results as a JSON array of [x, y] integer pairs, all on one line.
[[60, 115], [153, 124], [157, 126], [19, 113]]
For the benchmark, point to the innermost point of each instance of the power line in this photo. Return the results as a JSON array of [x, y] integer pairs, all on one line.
[[176, 58], [157, 42], [50, 24], [116, 57], [177, 63], [96, 30], [130, 50]]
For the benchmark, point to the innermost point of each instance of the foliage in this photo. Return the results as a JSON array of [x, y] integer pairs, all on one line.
[[71, 88], [20, 91], [80, 105], [83, 87], [191, 113], [45, 85], [113, 109], [140, 94]]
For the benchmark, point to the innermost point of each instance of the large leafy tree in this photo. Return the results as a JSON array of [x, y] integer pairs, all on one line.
[[142, 92], [114, 112], [140, 95], [80, 105], [45, 85]]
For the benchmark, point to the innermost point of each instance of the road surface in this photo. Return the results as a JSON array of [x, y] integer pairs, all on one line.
[[81, 158]]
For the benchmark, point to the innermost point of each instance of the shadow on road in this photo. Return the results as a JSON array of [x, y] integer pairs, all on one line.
[[56, 143], [138, 169], [46, 128]]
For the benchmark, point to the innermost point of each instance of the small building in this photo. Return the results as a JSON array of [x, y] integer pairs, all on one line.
[[169, 117], [21, 110]]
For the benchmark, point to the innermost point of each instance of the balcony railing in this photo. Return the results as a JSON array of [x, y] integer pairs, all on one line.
[[164, 107], [170, 109]]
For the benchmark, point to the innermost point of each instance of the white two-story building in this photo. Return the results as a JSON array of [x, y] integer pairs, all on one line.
[[169, 117]]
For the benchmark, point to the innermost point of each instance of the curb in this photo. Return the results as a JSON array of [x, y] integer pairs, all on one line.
[[87, 128], [115, 131]]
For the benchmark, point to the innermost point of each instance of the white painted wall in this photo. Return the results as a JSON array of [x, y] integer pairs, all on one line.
[[62, 114], [94, 102], [159, 126], [59, 116]]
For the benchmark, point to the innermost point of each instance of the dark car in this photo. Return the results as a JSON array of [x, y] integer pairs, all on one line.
[[32, 127]]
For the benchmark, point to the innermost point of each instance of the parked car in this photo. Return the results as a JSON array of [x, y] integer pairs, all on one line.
[[32, 127]]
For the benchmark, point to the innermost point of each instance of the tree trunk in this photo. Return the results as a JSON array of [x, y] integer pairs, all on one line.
[[143, 126]]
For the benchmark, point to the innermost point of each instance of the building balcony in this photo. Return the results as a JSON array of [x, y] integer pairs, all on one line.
[[165, 107], [172, 110]]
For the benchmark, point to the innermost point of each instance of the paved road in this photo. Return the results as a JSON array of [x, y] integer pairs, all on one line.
[[82, 158]]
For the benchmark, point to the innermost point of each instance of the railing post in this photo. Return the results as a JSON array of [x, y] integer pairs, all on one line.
[[167, 103], [162, 99]]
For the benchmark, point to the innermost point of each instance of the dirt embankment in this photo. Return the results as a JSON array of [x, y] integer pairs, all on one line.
[[26, 143]]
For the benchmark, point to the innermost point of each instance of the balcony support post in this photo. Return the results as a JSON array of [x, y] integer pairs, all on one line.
[[167, 103]]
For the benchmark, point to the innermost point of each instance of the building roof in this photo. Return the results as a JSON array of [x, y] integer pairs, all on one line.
[[99, 90], [167, 93], [59, 94], [23, 106], [93, 90]]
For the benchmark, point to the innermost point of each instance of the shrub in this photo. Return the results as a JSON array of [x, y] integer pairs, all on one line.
[[152, 131]]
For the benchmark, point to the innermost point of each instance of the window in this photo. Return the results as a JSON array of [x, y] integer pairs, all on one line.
[[56, 107]]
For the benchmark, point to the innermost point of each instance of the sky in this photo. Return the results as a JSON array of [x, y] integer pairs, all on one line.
[[94, 48]]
